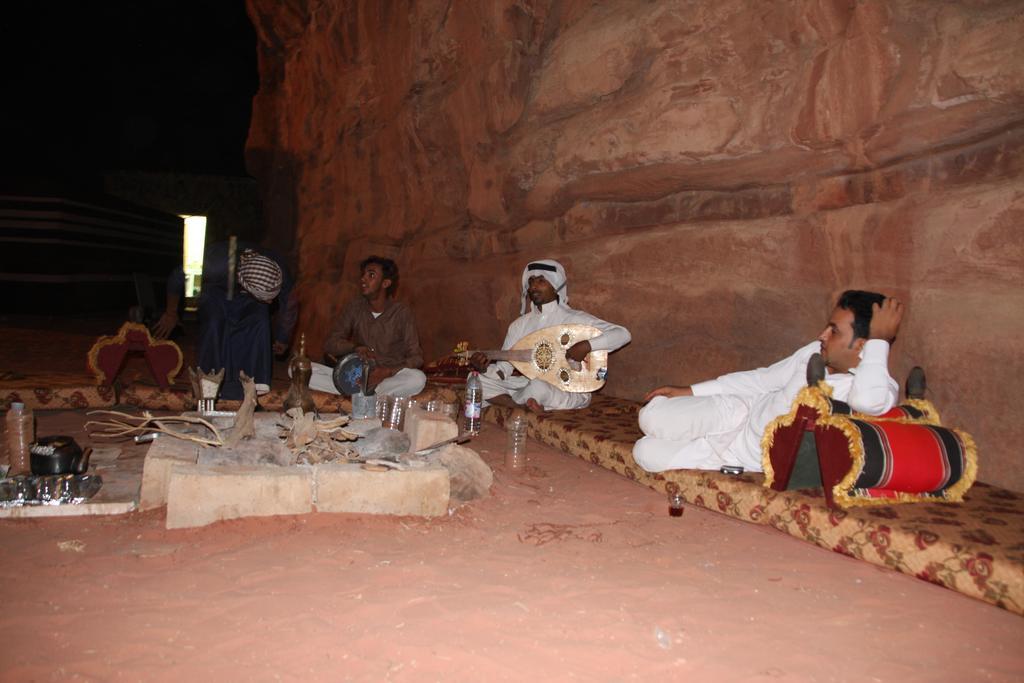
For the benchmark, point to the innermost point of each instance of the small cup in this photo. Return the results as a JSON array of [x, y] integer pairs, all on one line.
[[675, 504], [363, 406], [395, 415], [66, 488], [19, 490], [48, 489], [381, 408], [449, 410], [515, 453], [28, 490]]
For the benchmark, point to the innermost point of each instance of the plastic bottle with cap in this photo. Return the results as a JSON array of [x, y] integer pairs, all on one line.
[[515, 454], [474, 404], [20, 434]]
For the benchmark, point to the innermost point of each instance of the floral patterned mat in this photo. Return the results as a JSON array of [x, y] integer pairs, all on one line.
[[975, 547], [83, 396]]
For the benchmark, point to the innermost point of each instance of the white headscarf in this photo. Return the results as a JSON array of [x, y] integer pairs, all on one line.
[[550, 270]]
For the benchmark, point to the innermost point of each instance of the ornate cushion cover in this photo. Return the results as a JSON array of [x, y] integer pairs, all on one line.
[[916, 409], [107, 355], [902, 456], [932, 461]]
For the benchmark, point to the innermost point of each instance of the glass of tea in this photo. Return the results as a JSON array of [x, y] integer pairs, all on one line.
[[675, 504]]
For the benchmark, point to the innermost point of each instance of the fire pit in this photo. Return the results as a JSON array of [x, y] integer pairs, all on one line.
[[201, 484]]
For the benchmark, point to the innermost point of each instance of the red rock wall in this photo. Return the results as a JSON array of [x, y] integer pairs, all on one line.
[[711, 173]]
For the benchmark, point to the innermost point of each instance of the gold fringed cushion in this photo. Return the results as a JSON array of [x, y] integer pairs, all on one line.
[[917, 410], [902, 462], [902, 456]]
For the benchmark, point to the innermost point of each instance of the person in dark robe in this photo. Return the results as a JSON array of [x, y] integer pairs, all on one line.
[[235, 330]]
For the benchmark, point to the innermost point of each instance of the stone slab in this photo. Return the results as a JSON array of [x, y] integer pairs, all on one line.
[[163, 454], [198, 495], [427, 428], [350, 488], [81, 510]]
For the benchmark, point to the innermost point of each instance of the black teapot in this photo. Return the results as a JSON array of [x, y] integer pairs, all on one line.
[[58, 455]]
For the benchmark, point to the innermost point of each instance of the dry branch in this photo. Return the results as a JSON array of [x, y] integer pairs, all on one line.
[[125, 425]]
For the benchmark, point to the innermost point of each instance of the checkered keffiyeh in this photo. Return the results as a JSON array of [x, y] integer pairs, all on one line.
[[259, 275]]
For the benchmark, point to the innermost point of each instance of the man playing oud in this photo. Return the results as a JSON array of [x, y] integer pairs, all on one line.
[[544, 284]]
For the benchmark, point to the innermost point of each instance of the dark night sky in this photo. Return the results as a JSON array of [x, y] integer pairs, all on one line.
[[161, 85]]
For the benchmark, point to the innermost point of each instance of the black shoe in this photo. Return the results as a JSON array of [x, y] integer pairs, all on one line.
[[815, 370], [916, 385]]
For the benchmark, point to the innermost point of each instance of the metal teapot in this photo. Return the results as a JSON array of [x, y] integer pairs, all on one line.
[[58, 455]]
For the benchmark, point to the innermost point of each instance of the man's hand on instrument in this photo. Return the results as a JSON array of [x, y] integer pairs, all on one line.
[[366, 353], [669, 392], [165, 325], [479, 361], [578, 351], [886, 318]]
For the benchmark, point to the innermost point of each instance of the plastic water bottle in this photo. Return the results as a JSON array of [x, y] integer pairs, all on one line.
[[515, 455], [20, 435], [474, 401]]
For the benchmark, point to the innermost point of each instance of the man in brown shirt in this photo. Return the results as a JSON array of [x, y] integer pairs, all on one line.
[[378, 328]]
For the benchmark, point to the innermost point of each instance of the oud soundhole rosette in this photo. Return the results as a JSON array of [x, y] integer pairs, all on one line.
[[544, 356]]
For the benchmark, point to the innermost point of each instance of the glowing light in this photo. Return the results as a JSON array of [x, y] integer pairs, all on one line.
[[195, 242]]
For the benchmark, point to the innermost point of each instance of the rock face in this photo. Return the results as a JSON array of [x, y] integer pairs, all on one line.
[[712, 174]]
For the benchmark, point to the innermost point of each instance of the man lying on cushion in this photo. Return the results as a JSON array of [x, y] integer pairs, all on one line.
[[721, 421]]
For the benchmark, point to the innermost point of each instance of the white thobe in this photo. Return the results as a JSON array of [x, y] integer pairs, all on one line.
[[521, 389], [406, 382], [724, 420]]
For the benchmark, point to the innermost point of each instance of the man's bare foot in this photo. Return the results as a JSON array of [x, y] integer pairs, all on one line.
[[534, 406]]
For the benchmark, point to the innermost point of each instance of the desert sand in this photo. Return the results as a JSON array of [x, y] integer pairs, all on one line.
[[567, 571]]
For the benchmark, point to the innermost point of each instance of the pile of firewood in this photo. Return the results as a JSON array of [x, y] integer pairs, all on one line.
[[312, 441], [317, 441]]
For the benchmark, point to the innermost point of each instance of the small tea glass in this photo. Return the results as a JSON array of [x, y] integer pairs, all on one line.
[[394, 417], [675, 504], [381, 408]]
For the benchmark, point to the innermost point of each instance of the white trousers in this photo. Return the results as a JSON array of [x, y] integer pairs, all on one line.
[[406, 382], [520, 389], [689, 432]]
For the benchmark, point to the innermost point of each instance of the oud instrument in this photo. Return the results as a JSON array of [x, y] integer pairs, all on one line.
[[541, 355]]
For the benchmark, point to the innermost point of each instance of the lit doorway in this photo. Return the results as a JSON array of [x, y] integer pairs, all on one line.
[[195, 243]]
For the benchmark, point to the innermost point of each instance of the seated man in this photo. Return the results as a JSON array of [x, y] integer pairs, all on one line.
[[545, 285], [379, 329], [235, 333], [721, 421]]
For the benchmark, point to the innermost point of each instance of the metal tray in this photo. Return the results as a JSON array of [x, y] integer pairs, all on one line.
[[56, 489]]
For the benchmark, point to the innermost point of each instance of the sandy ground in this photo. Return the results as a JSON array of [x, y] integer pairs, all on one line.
[[566, 572]]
